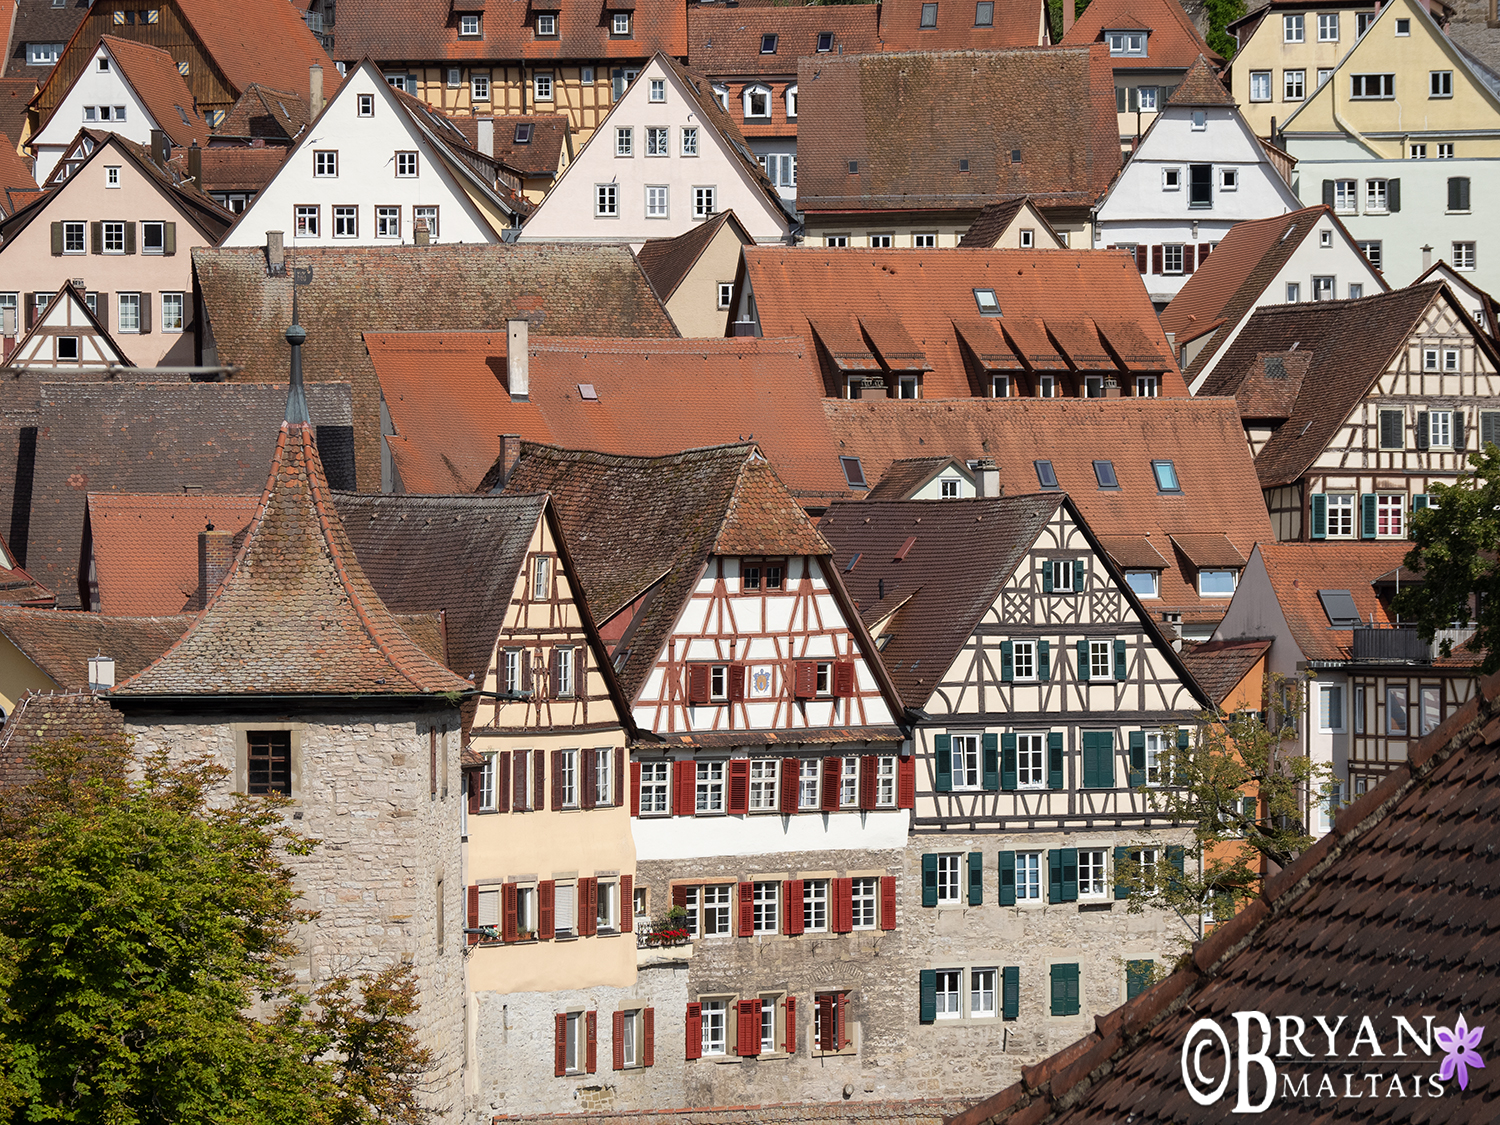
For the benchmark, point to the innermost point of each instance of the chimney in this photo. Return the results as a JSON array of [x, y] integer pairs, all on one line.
[[517, 356], [101, 672], [275, 254], [195, 165], [486, 135], [1426, 258], [510, 452], [215, 553], [987, 473], [1111, 388], [1067, 17], [161, 148], [315, 89], [420, 235]]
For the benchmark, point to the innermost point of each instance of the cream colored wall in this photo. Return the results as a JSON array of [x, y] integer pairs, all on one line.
[[1266, 50], [511, 92], [820, 228], [1028, 219], [694, 308], [18, 675]]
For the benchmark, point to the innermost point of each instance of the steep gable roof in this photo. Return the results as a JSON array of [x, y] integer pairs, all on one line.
[[1023, 23], [880, 113], [97, 349], [1298, 571], [231, 168], [1200, 87], [1174, 41], [295, 615], [667, 261], [990, 225], [1378, 918], [15, 95], [263, 113], [725, 41], [37, 21], [1484, 308], [1221, 666], [909, 474], [154, 77], [540, 155], [15, 171]]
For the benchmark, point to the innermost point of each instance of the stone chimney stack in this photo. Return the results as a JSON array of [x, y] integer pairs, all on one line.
[[987, 475], [517, 360], [215, 553], [1426, 258], [275, 254], [420, 235], [510, 453], [315, 89], [486, 135]]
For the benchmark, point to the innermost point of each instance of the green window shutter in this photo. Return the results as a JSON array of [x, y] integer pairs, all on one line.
[[1419, 501], [1119, 659], [1104, 759], [1137, 759], [1090, 760], [1007, 761], [1122, 890], [976, 878], [1044, 660], [130, 238], [1065, 990], [1007, 662], [1077, 576], [1177, 857], [1422, 430], [1046, 578], [1184, 745], [990, 744], [928, 1009], [1010, 997], [1007, 866], [929, 880], [943, 748], [1319, 503], [1137, 978], [1054, 759], [1054, 875], [57, 240], [169, 239], [1083, 661], [1069, 874], [1367, 516]]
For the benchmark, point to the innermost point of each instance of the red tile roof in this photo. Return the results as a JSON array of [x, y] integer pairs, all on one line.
[[882, 114], [36, 21], [667, 261], [1221, 666], [61, 643], [1299, 570], [265, 114], [1387, 915], [15, 95], [540, 156], [1093, 304], [145, 546], [153, 75], [448, 402], [1200, 87], [1174, 42], [1017, 23], [991, 223], [1271, 385], [390, 31], [726, 42], [40, 719], [15, 171], [295, 615], [1202, 437]]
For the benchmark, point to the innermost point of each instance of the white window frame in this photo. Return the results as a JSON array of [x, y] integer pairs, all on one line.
[[407, 166], [113, 235], [541, 87], [69, 229], [964, 761], [1150, 579], [658, 140], [366, 105], [388, 222], [128, 303], [885, 781], [815, 906], [689, 146], [1328, 27], [468, 26], [1464, 256], [1294, 85], [726, 293], [606, 201], [1093, 873], [656, 788], [345, 222], [429, 214], [1390, 512], [1156, 745], [479, 87], [1260, 85], [1171, 179], [753, 91], [325, 164], [620, 24], [864, 902], [625, 140], [1341, 514], [708, 788], [1206, 593], [1377, 197], [949, 994], [715, 1018], [950, 878], [1331, 700], [809, 783], [306, 218], [1172, 258], [1024, 656], [1294, 28], [765, 784], [983, 993], [1031, 761], [1440, 422], [568, 777], [705, 201], [169, 321], [1029, 877], [765, 900]]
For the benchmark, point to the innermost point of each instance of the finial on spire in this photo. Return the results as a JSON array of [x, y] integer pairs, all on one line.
[[296, 398]]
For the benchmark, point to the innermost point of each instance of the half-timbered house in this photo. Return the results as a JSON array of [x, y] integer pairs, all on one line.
[[769, 787], [1044, 699], [1354, 409]]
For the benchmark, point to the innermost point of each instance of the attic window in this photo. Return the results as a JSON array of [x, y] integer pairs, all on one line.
[[587, 392], [768, 44], [1166, 476], [1127, 43], [988, 304], [963, 165], [67, 347], [929, 15], [367, 105], [984, 13], [825, 42], [1015, 156], [854, 472], [1340, 608], [104, 64], [854, 167], [523, 134], [1104, 473], [468, 26], [1045, 476]]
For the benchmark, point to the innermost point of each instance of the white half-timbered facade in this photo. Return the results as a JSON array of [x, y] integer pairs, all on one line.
[[67, 336]]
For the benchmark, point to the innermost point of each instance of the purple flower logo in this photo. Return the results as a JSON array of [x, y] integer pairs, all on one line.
[[1459, 1042]]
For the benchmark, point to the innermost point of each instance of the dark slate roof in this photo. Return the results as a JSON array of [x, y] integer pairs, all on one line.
[[60, 644], [37, 21], [946, 581], [726, 42], [145, 437], [897, 117], [666, 261], [15, 94], [1219, 666], [1352, 344], [633, 522], [1390, 914], [563, 290], [45, 718], [295, 615], [1200, 87]]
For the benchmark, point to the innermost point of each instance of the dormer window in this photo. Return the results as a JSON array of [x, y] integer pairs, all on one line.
[[546, 25], [468, 26], [768, 44], [825, 42], [757, 102], [791, 103], [1127, 42], [620, 24], [721, 95]]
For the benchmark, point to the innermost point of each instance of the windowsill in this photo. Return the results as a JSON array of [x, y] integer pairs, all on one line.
[[1457, 213]]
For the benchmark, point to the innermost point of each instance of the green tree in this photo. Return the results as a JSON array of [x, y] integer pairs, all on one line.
[[1456, 550], [142, 931], [1222, 13], [1245, 788]]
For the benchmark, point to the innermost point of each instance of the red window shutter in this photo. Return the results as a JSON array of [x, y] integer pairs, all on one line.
[[1156, 259], [627, 903], [557, 778], [747, 1033], [508, 925], [867, 768], [791, 1025], [590, 795], [685, 775], [747, 909], [587, 923], [841, 1007], [906, 782], [635, 788], [739, 785], [473, 912], [560, 1044], [539, 790], [694, 1031], [679, 896], [1189, 252], [805, 680], [791, 906], [648, 1037], [1140, 258], [502, 781], [824, 1022], [617, 1038], [736, 682], [887, 902], [843, 678], [471, 777], [619, 776], [591, 1025], [843, 905], [520, 782], [790, 780], [831, 770], [697, 683], [546, 909], [1203, 249]]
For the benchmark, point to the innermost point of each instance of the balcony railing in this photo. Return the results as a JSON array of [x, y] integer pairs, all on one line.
[[1398, 644]]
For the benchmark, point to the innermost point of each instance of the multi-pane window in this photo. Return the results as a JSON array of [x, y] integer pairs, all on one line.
[[366, 105], [487, 783], [809, 783], [864, 895], [655, 788], [1432, 708], [923, 241], [948, 990], [1328, 27], [949, 879], [542, 87], [768, 1026], [715, 1026], [718, 682], [428, 215], [1390, 515], [468, 25], [1340, 515], [1029, 876], [567, 777], [766, 905], [387, 222], [625, 141], [1260, 85], [1371, 251], [620, 24], [1345, 195], [1031, 761], [1147, 386], [604, 776], [1091, 872], [325, 164], [1156, 748], [705, 202], [716, 909], [710, 787], [606, 200], [1025, 659], [1293, 85], [689, 140], [726, 293], [307, 222], [1062, 574], [1101, 661], [1440, 422], [965, 758], [563, 663], [656, 201], [1440, 84], [981, 993], [815, 905], [1323, 288], [849, 784], [130, 312], [541, 578], [73, 238], [114, 238], [1445, 150], [1171, 257], [1376, 195], [171, 312], [1463, 255], [885, 781], [345, 222], [1365, 86], [1293, 29], [269, 761], [658, 90], [406, 165], [657, 141], [479, 87], [764, 792]]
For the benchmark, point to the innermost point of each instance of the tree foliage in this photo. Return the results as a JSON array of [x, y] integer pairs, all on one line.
[[1245, 788], [142, 932], [1456, 550], [1222, 13]]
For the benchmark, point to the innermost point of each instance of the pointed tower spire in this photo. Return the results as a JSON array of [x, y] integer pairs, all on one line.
[[296, 395]]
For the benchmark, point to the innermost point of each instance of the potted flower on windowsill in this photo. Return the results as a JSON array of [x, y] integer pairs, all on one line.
[[671, 930]]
